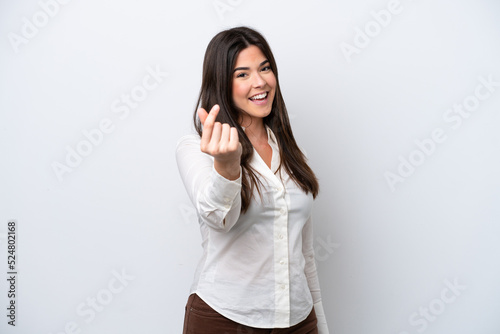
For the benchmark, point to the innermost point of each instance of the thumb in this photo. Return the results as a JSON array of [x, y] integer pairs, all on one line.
[[202, 114]]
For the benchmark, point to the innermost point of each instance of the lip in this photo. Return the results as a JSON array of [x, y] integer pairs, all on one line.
[[260, 102]]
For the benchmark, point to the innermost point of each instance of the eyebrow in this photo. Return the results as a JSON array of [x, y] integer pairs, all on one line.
[[247, 68]]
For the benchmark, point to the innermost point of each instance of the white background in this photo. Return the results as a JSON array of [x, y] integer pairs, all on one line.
[[384, 253]]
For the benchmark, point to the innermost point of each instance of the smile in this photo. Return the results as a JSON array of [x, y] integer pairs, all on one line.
[[260, 96]]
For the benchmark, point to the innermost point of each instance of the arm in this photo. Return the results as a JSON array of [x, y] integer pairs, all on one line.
[[312, 275], [216, 198]]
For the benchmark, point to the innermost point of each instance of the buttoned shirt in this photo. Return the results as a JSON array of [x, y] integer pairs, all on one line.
[[257, 267]]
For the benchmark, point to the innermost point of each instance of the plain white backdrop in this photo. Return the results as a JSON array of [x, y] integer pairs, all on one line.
[[396, 103]]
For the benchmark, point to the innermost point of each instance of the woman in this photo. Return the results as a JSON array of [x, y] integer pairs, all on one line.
[[253, 192]]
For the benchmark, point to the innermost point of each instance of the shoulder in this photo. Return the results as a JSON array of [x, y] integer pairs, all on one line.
[[188, 147], [188, 140]]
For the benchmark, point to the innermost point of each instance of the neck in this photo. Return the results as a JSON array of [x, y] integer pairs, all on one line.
[[256, 132]]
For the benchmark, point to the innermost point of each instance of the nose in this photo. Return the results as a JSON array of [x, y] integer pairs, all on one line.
[[258, 80]]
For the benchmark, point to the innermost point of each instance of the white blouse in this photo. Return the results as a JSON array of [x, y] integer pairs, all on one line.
[[257, 268]]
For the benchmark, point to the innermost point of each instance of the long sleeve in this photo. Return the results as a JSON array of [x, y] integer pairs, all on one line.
[[216, 199], [312, 275]]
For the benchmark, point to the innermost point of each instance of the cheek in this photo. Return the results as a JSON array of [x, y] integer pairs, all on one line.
[[239, 92], [272, 81]]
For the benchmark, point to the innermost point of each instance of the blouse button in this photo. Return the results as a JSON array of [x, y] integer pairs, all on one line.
[[282, 210]]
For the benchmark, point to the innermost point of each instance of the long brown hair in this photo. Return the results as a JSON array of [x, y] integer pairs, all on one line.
[[216, 88]]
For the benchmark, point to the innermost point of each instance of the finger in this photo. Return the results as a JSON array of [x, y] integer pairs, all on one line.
[[233, 138], [212, 114], [202, 114], [216, 134], [208, 123], [208, 119], [224, 138], [206, 135]]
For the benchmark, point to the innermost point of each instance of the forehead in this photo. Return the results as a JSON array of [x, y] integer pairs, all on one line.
[[251, 55]]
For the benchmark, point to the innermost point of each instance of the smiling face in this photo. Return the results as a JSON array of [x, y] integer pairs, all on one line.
[[254, 85]]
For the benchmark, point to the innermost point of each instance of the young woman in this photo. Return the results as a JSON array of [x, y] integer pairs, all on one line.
[[253, 192]]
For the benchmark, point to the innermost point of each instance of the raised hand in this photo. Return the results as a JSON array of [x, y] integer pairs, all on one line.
[[221, 142]]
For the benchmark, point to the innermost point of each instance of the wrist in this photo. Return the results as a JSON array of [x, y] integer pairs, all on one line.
[[228, 169]]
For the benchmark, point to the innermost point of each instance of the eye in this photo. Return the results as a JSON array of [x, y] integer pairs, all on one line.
[[266, 68], [241, 75]]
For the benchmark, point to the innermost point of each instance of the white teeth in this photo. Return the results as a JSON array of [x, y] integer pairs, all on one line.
[[258, 97]]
